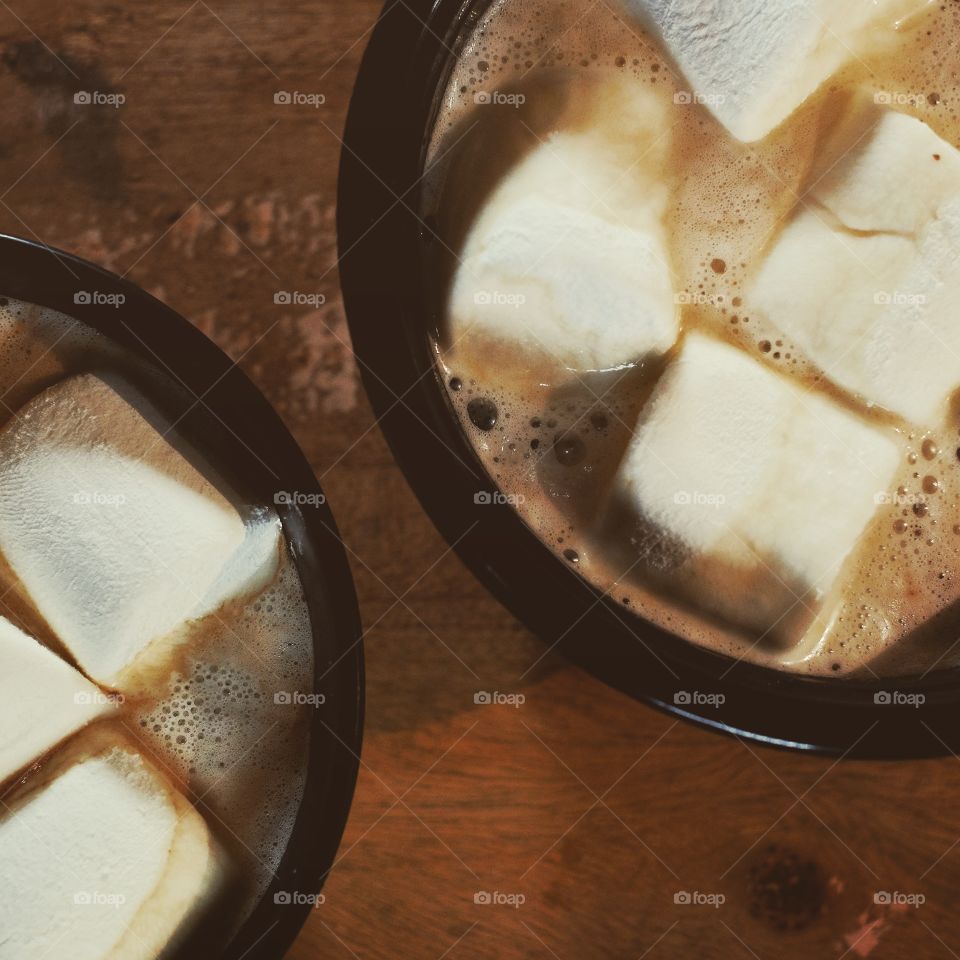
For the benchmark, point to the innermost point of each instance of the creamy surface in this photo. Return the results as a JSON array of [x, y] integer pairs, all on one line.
[[555, 441]]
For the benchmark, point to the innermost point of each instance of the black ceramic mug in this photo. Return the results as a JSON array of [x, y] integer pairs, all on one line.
[[385, 245], [252, 442]]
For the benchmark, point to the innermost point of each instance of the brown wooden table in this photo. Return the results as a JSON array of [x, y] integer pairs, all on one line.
[[580, 815]]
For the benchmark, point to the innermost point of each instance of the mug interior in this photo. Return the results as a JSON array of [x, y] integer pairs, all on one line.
[[385, 246], [232, 418]]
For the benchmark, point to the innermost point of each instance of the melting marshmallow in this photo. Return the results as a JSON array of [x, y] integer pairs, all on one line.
[[111, 861], [568, 260], [865, 278], [754, 62], [745, 485], [43, 700], [114, 536]]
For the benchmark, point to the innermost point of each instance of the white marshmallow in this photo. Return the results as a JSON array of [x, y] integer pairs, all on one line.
[[881, 171], [750, 491], [568, 260], [753, 62], [864, 280], [115, 537], [43, 700], [104, 860]]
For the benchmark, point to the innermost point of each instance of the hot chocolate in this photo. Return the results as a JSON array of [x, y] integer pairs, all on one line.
[[695, 283]]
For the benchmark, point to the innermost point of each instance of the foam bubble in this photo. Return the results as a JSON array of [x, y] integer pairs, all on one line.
[[235, 721]]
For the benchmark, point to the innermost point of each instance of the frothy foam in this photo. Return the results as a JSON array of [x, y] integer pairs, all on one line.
[[234, 717]]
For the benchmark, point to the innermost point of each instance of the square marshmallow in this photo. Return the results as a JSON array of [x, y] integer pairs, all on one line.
[[749, 491], [754, 62], [115, 537], [43, 700], [102, 858], [865, 278], [568, 259]]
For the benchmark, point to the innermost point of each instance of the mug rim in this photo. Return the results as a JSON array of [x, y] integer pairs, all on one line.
[[266, 455], [382, 241]]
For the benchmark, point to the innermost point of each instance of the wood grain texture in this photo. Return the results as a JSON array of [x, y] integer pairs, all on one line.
[[595, 810]]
